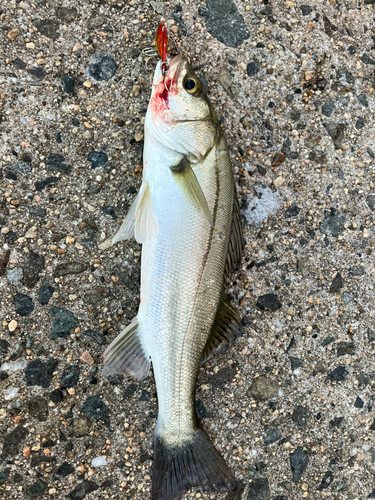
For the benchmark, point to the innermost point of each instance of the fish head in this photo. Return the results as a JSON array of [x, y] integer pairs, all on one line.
[[180, 114]]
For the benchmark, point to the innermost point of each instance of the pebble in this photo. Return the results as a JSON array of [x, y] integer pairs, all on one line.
[[67, 83], [222, 376], [221, 14], [263, 388], [300, 416], [98, 462], [259, 490], [38, 372], [63, 321], [253, 68], [97, 159], [70, 376], [69, 268], [49, 28], [328, 108], [64, 470], [94, 408], [272, 436], [23, 304], [201, 410], [292, 211], [103, 69], [298, 463], [336, 131], [339, 374], [13, 34], [87, 358], [259, 208], [82, 490], [56, 162], [36, 489], [99, 338], [370, 200], [33, 265], [81, 427], [269, 302], [45, 293], [12, 326], [37, 408], [13, 441], [333, 223], [337, 284]]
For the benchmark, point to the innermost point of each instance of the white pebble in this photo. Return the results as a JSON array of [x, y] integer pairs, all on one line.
[[98, 462]]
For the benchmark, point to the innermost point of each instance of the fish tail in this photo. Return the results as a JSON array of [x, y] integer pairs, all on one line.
[[195, 463]]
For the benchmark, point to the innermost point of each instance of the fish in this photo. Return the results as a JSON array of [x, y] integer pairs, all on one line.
[[187, 218]]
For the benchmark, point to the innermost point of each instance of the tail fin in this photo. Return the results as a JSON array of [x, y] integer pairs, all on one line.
[[195, 463]]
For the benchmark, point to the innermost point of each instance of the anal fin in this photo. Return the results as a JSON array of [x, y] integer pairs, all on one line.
[[189, 185], [125, 354], [225, 328]]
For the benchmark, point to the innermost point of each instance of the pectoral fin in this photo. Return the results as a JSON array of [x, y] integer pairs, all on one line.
[[125, 354], [187, 181], [140, 221]]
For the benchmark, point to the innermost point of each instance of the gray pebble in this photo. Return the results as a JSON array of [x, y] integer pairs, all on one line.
[[298, 463]]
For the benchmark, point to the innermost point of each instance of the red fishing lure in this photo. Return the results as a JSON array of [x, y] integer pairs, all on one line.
[[161, 42]]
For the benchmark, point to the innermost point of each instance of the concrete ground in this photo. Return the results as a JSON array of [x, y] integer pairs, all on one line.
[[290, 405]]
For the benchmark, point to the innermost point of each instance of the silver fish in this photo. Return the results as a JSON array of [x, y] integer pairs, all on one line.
[[186, 217]]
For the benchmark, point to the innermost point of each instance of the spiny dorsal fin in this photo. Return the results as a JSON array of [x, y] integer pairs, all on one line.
[[225, 328], [236, 241], [125, 354], [189, 185]]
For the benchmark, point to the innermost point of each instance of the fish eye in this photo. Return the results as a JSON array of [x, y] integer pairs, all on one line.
[[193, 85]]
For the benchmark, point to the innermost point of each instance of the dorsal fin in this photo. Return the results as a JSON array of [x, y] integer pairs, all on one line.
[[225, 328], [236, 241]]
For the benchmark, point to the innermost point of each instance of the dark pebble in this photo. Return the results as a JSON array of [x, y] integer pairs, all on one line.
[[36, 460], [56, 396], [358, 403], [336, 284], [223, 376], [339, 374], [328, 108], [63, 322], [94, 408], [306, 9], [68, 14], [38, 211], [370, 200], [23, 304], [40, 185], [363, 379], [98, 337], [372, 426], [300, 416], [326, 481], [336, 131], [21, 168], [48, 28], [97, 159], [272, 436], [40, 373], [268, 302], [367, 60], [57, 163], [344, 348], [17, 478], [4, 474], [69, 268], [18, 63], [110, 211], [352, 50], [45, 293], [37, 73], [202, 11], [70, 376], [201, 410], [333, 223], [38, 408], [4, 347], [298, 463], [36, 489], [11, 237], [75, 122], [10, 175], [117, 380], [93, 189], [360, 123], [336, 422], [253, 68], [104, 69], [292, 211], [372, 494], [362, 98], [64, 470], [4, 262], [295, 363], [13, 441], [130, 391], [82, 490], [222, 14], [259, 490], [295, 115]]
